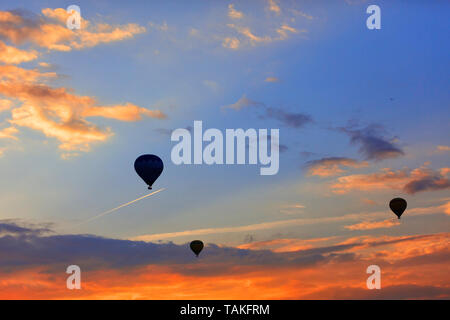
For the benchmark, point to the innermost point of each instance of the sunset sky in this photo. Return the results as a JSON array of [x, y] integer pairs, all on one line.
[[363, 116]]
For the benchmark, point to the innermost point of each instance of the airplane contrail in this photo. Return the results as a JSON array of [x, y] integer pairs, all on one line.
[[121, 206]]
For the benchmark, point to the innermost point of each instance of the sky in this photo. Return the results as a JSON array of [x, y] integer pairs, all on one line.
[[363, 117]]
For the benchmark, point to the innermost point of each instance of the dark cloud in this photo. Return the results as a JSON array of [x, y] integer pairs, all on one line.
[[372, 143], [283, 148], [23, 247], [290, 119], [307, 154], [8, 227], [432, 181]]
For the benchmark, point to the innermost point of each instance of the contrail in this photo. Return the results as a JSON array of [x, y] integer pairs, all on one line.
[[121, 206]]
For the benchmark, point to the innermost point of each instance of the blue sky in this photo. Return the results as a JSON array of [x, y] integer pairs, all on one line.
[[337, 71]]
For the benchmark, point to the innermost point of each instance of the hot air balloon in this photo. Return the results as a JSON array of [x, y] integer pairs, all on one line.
[[149, 168], [196, 247], [398, 206]]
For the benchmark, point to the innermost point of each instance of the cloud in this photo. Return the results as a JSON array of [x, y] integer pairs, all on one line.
[[5, 105], [206, 231], [285, 245], [8, 133], [410, 181], [12, 74], [332, 166], [12, 55], [443, 148], [372, 144], [214, 86], [231, 43], [284, 30], [233, 13], [126, 112], [272, 79], [242, 103], [424, 179], [290, 119], [292, 209], [12, 228], [274, 7], [245, 31], [122, 269], [301, 14], [359, 217], [35, 247], [234, 29], [369, 225], [446, 208], [59, 113], [49, 30], [395, 292], [72, 133], [282, 33]]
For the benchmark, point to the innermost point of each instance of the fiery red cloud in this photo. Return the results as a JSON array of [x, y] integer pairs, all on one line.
[[412, 267]]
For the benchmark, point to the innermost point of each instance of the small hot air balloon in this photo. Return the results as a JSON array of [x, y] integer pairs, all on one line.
[[149, 168], [398, 206], [196, 247]]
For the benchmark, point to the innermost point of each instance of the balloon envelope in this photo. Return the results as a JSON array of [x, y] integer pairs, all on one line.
[[149, 168], [196, 246], [398, 206]]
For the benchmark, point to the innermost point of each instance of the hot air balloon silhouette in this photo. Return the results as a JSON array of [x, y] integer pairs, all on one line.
[[149, 168], [196, 246], [398, 206]]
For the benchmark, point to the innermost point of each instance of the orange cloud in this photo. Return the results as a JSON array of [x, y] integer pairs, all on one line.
[[16, 74], [231, 43], [412, 267], [369, 225], [273, 6], [49, 31], [12, 55], [73, 134], [5, 105], [443, 148], [8, 133], [127, 112], [332, 166], [410, 181], [446, 207], [285, 245], [233, 13], [57, 112], [61, 114], [272, 79]]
